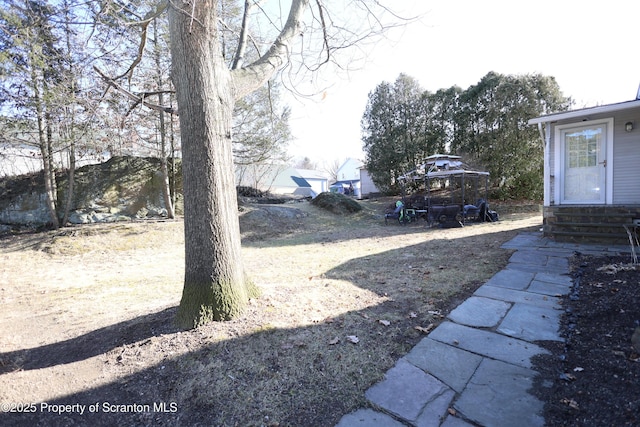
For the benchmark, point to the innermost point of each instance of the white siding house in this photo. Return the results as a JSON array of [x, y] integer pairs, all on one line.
[[350, 170], [367, 186], [348, 178], [591, 171], [353, 174]]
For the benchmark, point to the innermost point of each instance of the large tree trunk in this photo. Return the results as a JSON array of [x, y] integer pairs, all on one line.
[[215, 285]]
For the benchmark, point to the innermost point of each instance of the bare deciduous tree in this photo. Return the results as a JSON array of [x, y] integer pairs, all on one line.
[[209, 81], [216, 286]]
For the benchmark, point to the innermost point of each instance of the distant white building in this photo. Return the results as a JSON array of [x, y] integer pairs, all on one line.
[[318, 180], [353, 179], [367, 186], [280, 179], [350, 170]]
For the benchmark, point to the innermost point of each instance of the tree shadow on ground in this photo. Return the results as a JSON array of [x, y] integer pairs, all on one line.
[[336, 228], [91, 344], [251, 379], [310, 375], [468, 259]]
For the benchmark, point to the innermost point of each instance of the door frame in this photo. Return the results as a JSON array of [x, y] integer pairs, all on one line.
[[559, 154]]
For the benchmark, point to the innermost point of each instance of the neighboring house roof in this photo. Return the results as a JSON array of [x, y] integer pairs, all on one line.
[[312, 174], [290, 177], [300, 181], [283, 180], [609, 108], [277, 174]]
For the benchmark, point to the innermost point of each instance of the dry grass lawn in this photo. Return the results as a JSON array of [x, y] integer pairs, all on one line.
[[87, 316]]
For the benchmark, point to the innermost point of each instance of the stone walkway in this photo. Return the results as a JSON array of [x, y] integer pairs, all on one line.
[[475, 368]]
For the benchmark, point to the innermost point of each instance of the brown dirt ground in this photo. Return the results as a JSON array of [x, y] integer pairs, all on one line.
[[593, 379], [87, 317]]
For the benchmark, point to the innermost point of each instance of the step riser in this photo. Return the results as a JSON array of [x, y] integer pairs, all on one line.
[[602, 224]]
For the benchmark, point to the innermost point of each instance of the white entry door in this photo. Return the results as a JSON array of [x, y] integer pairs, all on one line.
[[584, 152]]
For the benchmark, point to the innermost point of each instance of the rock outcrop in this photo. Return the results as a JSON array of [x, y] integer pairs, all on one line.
[[121, 189]]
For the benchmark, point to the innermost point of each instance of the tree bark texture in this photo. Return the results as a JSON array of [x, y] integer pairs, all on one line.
[[215, 285]]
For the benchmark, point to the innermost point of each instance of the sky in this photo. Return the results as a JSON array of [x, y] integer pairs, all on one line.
[[591, 48]]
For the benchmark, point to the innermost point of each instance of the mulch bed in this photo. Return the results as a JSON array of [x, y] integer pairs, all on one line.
[[593, 378]]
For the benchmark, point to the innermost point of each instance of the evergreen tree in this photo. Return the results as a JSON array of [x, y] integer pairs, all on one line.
[[32, 75], [494, 133], [486, 124], [393, 131]]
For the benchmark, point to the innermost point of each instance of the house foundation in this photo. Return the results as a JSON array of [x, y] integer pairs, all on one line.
[[591, 224]]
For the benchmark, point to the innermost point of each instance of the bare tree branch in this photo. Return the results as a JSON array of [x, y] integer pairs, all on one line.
[[249, 78], [135, 98], [244, 31], [153, 14], [336, 32], [325, 40]]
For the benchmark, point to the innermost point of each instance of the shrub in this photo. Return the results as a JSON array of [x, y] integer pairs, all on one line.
[[336, 203]]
